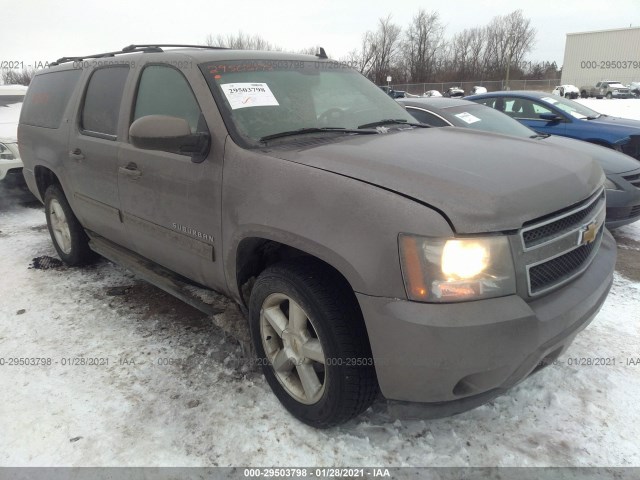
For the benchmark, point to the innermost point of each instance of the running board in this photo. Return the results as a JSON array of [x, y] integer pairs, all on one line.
[[205, 300]]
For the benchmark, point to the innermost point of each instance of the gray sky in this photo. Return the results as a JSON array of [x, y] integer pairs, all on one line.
[[35, 31]]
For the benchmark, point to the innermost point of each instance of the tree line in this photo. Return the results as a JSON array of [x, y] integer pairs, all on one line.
[[421, 52]]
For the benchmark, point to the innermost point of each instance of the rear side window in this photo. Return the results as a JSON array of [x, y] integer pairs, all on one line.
[[427, 117], [165, 91], [102, 101], [47, 98]]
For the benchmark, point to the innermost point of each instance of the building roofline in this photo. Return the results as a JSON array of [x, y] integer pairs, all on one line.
[[604, 31]]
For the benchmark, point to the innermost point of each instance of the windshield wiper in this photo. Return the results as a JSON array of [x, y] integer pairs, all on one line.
[[302, 131], [591, 117], [540, 135], [393, 120]]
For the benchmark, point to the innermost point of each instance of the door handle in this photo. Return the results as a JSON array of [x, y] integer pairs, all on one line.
[[76, 155], [131, 171]]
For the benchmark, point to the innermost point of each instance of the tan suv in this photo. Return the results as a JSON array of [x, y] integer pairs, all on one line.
[[368, 252]]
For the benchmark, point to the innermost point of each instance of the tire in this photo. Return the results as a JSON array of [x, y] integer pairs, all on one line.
[[584, 94], [68, 236], [310, 338], [609, 95]]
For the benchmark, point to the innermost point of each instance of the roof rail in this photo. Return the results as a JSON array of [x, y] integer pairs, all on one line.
[[146, 48]]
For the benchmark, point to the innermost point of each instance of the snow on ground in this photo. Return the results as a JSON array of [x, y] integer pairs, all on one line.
[[628, 108], [208, 408]]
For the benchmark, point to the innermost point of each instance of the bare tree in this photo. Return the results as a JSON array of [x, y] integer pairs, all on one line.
[[241, 41], [510, 38], [424, 40], [381, 50], [15, 77], [363, 59]]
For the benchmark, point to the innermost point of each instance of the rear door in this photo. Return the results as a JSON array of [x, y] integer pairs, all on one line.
[[170, 204], [92, 161]]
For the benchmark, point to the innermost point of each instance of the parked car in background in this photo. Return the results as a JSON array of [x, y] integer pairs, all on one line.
[[477, 89], [467, 277], [454, 92], [546, 113], [432, 93], [11, 98], [566, 91], [608, 88], [622, 171], [393, 93], [634, 87]]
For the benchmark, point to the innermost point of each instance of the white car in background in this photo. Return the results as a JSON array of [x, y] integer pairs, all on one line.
[[566, 91], [432, 93], [11, 98], [478, 90]]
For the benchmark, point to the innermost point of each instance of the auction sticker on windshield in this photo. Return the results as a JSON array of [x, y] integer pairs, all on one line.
[[550, 100], [467, 117], [242, 95]]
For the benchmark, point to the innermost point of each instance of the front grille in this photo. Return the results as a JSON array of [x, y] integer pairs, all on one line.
[[559, 269], [555, 228], [558, 247], [635, 211]]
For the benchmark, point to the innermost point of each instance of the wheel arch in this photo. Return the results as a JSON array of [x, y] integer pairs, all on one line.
[[45, 177], [255, 253]]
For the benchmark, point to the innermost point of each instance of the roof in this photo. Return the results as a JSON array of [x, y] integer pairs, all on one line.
[[12, 90], [605, 31], [435, 102], [198, 55], [507, 93]]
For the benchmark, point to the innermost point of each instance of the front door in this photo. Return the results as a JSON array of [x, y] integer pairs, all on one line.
[[170, 204]]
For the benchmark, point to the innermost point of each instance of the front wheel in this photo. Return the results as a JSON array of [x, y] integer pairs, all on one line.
[[68, 236], [311, 341], [609, 95]]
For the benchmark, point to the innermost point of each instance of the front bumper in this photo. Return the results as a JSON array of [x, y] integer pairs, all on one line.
[[467, 353], [623, 206]]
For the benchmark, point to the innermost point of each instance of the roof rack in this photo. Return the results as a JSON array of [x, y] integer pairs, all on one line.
[[134, 48]]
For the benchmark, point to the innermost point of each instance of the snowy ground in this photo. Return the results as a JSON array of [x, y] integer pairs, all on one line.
[[209, 409]]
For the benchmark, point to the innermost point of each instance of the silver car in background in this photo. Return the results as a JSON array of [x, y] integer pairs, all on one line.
[[11, 98]]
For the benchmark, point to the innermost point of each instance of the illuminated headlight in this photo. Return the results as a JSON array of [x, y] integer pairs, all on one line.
[[5, 153], [609, 185], [456, 269]]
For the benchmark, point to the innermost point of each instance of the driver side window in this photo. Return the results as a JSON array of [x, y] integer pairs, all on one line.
[[524, 109], [164, 91]]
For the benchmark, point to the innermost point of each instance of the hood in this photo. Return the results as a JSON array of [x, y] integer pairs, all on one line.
[[610, 160], [482, 182], [631, 127]]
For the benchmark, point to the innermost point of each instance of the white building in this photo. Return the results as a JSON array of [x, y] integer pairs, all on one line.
[[602, 55]]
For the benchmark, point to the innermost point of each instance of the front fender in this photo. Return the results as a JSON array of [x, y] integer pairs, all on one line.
[[349, 224]]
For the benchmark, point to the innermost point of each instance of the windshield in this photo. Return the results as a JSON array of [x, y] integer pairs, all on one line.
[[574, 109], [263, 97], [484, 118]]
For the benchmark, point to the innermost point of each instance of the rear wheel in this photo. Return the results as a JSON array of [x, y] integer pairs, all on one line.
[[68, 236], [310, 339]]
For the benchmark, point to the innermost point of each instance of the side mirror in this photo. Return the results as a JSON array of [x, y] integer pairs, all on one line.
[[550, 117], [169, 134]]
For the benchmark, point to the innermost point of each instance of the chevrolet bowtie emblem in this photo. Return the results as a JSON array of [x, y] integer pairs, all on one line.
[[588, 233]]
